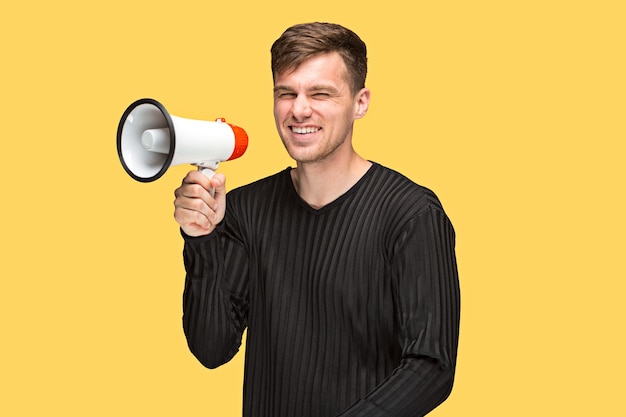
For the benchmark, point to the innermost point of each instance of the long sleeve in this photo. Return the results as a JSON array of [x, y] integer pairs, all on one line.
[[427, 307], [214, 302]]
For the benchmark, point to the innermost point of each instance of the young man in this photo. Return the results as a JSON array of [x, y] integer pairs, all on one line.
[[343, 271]]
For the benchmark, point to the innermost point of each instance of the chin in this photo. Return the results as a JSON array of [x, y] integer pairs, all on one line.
[[300, 153]]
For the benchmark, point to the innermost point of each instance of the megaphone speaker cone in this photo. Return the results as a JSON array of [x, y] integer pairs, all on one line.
[[141, 119]]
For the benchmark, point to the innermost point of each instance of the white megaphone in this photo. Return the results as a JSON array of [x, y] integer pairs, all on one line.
[[150, 140]]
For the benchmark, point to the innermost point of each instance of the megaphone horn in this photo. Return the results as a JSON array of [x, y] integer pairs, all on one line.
[[150, 140]]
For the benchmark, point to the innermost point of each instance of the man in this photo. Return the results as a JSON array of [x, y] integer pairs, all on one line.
[[343, 271]]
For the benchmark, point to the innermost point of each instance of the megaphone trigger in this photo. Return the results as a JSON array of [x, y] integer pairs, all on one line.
[[209, 172]]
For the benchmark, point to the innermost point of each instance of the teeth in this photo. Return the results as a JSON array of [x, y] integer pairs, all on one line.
[[305, 129]]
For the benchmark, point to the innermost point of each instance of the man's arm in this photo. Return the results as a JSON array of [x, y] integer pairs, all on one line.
[[214, 302], [428, 309]]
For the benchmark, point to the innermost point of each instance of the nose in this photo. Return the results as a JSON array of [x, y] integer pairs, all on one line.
[[301, 108]]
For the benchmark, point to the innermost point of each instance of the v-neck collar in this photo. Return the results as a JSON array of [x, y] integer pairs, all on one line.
[[334, 203]]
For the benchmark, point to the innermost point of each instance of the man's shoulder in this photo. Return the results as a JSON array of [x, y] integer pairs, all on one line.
[[261, 186], [400, 190]]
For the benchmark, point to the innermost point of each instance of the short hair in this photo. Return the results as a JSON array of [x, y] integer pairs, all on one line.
[[303, 41]]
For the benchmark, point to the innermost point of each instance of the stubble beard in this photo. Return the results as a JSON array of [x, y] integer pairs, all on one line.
[[312, 156]]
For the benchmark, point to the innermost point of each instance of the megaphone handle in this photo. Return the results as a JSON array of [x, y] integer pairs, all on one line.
[[209, 173]]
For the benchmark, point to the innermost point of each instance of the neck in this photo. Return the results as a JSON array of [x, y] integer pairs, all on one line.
[[322, 182]]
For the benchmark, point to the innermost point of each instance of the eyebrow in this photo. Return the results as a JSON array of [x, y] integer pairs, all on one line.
[[319, 87], [282, 88]]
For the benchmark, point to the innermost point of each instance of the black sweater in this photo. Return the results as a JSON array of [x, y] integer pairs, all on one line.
[[351, 310]]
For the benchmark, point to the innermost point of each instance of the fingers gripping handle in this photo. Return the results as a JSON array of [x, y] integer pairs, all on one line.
[[209, 172]]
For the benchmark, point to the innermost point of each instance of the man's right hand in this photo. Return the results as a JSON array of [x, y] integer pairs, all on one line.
[[196, 210]]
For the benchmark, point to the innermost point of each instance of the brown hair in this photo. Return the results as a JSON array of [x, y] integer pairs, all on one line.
[[303, 41]]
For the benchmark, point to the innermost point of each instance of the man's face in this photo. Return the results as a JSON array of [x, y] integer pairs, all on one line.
[[314, 108]]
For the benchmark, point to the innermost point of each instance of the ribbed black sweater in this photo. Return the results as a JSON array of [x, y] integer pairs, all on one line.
[[351, 310]]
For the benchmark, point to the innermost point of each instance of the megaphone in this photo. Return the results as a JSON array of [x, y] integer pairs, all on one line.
[[150, 140]]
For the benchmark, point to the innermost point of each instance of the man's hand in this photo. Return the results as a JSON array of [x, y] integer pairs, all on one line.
[[196, 210]]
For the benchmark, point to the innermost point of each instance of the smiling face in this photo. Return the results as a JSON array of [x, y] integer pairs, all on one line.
[[314, 108]]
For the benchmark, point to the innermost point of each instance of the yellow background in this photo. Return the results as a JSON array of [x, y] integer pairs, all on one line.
[[512, 111]]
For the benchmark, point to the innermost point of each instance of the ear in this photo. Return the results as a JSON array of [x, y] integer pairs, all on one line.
[[361, 103]]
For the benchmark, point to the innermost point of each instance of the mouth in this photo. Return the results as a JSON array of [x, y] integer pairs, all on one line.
[[304, 130]]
